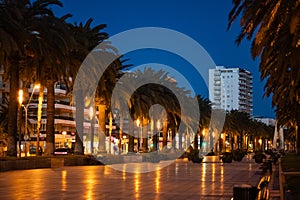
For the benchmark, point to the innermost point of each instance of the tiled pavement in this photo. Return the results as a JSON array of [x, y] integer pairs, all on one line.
[[274, 184], [179, 180]]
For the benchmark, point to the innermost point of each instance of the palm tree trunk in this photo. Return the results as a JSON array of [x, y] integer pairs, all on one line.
[[254, 144], [241, 139], [173, 128], [196, 141], [13, 109], [180, 140], [78, 149], [165, 134], [121, 133], [145, 138], [50, 128], [155, 137], [102, 128], [297, 130], [131, 138], [232, 141]]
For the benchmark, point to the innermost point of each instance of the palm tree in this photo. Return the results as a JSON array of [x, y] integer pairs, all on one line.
[[273, 27], [239, 125], [18, 36], [50, 42], [205, 113], [4, 114], [12, 35], [160, 91], [54, 39], [86, 39]]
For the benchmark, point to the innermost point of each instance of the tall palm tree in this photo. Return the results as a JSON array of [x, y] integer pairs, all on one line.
[[161, 91], [273, 27], [205, 113], [12, 37], [54, 39], [18, 36], [86, 39], [49, 48]]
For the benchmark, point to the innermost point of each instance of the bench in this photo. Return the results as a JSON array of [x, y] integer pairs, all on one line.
[[248, 192]]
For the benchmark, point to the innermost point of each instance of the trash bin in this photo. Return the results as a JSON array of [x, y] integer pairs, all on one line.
[[244, 192]]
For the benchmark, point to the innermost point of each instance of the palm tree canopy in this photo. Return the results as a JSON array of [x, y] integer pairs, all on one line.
[[274, 28]]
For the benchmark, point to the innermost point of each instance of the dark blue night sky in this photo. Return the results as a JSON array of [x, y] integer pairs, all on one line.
[[205, 21]]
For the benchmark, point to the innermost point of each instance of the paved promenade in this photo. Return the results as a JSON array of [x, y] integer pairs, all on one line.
[[180, 180]]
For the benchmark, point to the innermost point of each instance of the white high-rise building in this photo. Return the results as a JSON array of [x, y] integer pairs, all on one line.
[[230, 89]]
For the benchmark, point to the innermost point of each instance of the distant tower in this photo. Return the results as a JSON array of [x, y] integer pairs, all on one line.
[[231, 89]]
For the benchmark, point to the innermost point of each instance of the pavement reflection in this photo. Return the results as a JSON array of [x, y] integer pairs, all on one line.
[[180, 180]]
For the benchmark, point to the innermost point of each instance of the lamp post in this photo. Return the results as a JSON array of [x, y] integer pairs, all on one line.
[[110, 128], [139, 124], [37, 86], [138, 143], [21, 94], [110, 131], [91, 112], [20, 118]]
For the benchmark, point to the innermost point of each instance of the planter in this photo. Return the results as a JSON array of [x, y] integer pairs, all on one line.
[[194, 156], [237, 155], [227, 157], [259, 157]]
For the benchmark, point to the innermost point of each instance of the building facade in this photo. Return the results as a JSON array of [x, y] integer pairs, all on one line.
[[231, 89], [265, 120]]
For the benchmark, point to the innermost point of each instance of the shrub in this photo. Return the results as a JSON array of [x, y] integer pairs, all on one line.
[[226, 157], [259, 157], [237, 155], [194, 156]]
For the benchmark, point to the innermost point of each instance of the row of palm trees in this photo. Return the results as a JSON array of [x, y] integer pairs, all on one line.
[[37, 46], [274, 28], [240, 125]]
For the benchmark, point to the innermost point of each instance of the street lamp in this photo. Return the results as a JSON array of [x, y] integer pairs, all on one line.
[[91, 112], [158, 126], [37, 86], [139, 124], [260, 143], [20, 118], [110, 128], [110, 131]]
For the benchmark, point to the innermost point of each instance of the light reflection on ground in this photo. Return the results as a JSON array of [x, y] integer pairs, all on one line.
[[179, 180]]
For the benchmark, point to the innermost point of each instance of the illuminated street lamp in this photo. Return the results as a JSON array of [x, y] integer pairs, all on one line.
[[21, 97], [110, 128], [260, 143], [20, 107], [158, 126], [110, 131], [92, 116], [140, 139]]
